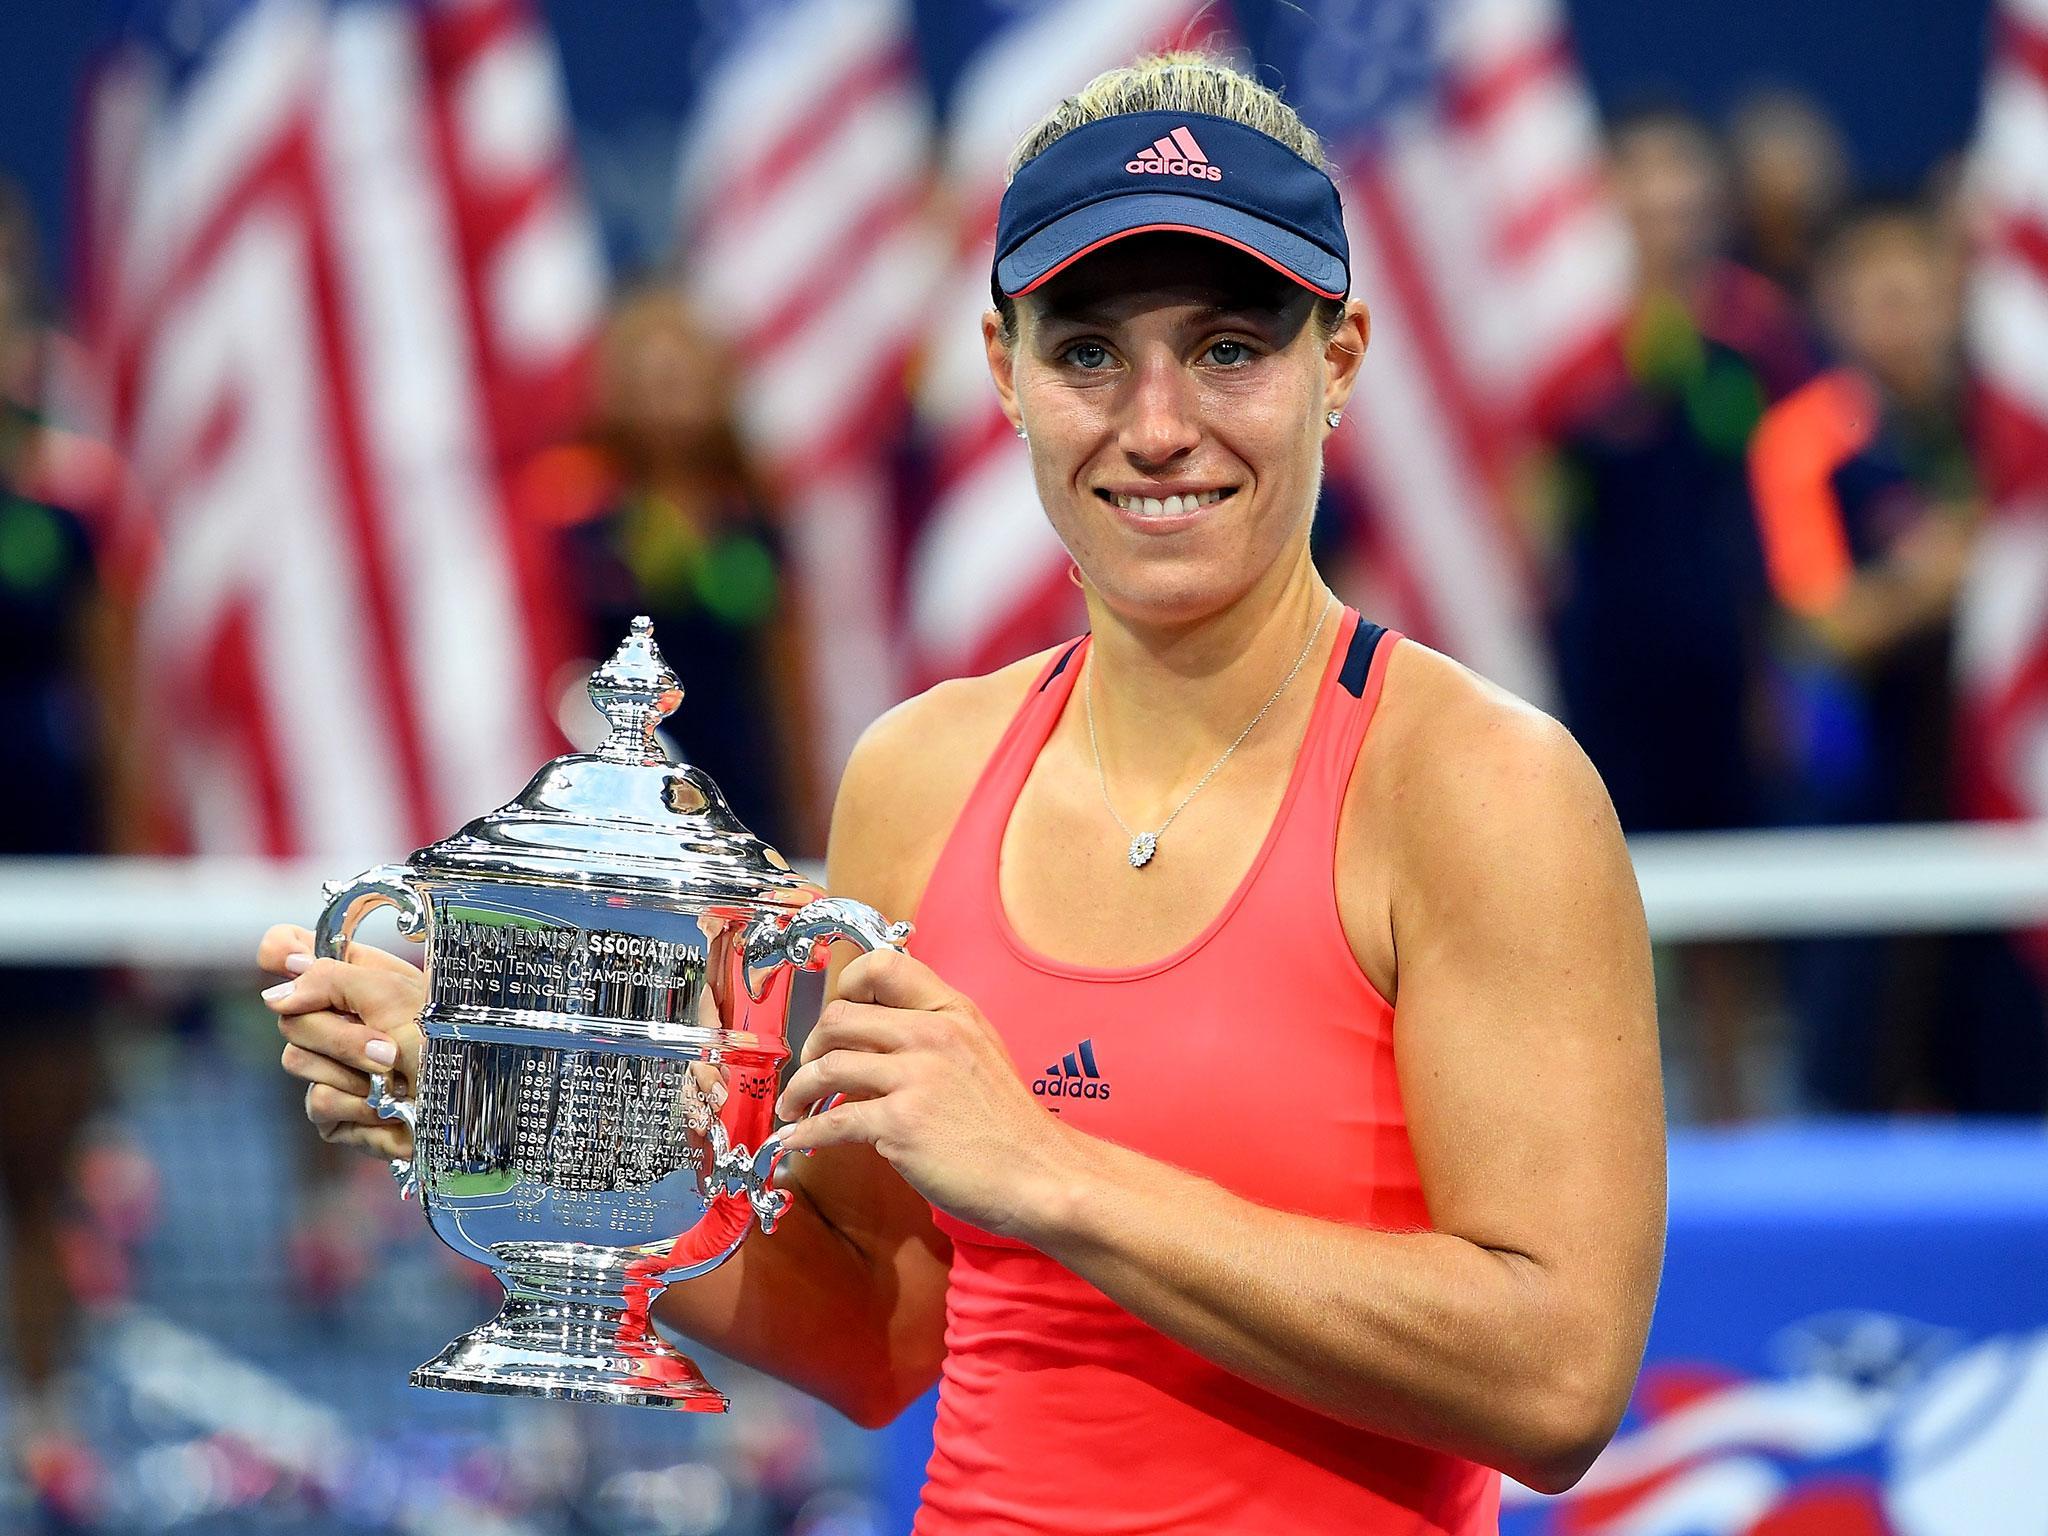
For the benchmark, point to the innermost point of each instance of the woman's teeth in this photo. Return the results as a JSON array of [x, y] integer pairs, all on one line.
[[1168, 506]]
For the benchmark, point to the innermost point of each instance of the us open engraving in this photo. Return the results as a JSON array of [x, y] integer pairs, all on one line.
[[519, 966]]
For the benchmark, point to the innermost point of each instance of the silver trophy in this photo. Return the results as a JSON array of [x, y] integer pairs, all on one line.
[[609, 964]]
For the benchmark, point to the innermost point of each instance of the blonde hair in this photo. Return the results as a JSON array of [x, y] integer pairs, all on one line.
[[1183, 81], [1179, 81]]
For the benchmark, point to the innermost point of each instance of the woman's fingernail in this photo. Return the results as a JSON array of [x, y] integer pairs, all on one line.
[[278, 993], [298, 965], [382, 1052]]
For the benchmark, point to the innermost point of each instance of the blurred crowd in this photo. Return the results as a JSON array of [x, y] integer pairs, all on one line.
[[1752, 536], [1756, 534]]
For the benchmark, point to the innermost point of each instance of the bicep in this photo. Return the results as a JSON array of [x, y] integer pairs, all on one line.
[[1525, 1026]]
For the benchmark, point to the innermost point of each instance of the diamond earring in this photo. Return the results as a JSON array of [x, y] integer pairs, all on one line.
[[1333, 418], [1020, 430]]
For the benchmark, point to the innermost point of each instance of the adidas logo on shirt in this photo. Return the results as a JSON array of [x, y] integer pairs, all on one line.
[[1073, 1076], [1175, 155]]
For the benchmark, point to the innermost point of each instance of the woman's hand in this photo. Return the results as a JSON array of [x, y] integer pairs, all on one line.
[[928, 1084], [343, 1020]]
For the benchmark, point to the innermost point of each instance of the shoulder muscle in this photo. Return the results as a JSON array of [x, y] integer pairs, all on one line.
[[1497, 801]]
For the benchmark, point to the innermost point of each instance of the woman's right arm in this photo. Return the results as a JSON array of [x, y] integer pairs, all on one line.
[[846, 1300]]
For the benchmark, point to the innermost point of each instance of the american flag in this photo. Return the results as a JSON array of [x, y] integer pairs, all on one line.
[[2003, 617], [804, 182], [334, 278], [1496, 270]]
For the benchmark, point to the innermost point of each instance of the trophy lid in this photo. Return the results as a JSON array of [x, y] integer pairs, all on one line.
[[624, 816]]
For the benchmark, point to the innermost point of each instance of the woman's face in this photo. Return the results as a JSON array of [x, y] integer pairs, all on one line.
[[1174, 391]]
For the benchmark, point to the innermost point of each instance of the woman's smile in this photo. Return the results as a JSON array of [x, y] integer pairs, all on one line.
[[1162, 509]]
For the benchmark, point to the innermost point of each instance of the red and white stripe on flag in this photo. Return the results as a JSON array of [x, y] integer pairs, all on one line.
[[987, 576], [802, 208], [1497, 272], [332, 281], [2003, 615]]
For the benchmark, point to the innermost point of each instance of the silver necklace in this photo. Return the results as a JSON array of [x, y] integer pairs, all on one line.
[[1145, 844]]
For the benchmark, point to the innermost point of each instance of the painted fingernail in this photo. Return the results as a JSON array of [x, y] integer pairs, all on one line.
[[382, 1052], [280, 992], [298, 965]]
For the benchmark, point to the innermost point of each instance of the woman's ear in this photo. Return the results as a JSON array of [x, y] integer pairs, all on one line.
[[1002, 366], [1344, 353]]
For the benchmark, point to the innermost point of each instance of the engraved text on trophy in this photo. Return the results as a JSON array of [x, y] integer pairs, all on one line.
[[518, 967]]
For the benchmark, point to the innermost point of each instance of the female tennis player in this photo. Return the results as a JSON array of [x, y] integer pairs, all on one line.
[[1264, 1132]]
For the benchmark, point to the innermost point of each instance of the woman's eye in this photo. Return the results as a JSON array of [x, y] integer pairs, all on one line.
[[1088, 355], [1228, 353]]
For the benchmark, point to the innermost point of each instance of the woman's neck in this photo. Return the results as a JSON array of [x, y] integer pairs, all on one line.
[[1169, 699]]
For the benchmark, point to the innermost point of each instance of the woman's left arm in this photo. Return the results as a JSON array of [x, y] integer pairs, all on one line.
[[1526, 1042]]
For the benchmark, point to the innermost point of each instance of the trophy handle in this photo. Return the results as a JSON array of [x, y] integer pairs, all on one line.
[[802, 938], [348, 903]]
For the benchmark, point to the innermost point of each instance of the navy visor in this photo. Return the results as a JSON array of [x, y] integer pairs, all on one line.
[[1187, 172]]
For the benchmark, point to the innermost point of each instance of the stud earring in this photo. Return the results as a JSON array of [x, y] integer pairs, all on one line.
[[1333, 418], [1020, 430]]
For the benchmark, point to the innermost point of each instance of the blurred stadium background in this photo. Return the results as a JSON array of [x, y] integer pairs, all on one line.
[[364, 363]]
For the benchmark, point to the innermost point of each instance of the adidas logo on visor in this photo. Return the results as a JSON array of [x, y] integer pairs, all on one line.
[[1175, 155]]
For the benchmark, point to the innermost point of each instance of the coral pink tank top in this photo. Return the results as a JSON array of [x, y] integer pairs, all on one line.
[[1259, 1056]]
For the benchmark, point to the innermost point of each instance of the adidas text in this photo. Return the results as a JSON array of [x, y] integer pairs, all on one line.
[[1069, 1088], [1176, 168], [1074, 1076]]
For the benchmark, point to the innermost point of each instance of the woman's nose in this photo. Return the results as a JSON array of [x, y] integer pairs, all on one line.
[[1160, 423]]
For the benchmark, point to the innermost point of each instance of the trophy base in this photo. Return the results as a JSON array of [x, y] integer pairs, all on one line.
[[575, 1351]]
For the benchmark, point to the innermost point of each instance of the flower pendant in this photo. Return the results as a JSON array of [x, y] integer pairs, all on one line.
[[1142, 847]]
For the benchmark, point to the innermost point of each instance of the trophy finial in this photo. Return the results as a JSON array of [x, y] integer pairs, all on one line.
[[636, 691]]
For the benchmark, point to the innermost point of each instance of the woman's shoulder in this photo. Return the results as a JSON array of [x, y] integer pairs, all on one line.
[[910, 775], [1457, 780], [1449, 745], [936, 737]]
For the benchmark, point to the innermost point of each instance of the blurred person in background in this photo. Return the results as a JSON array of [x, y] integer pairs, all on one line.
[[50, 778], [1658, 592], [659, 511], [1792, 180], [1867, 497]]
